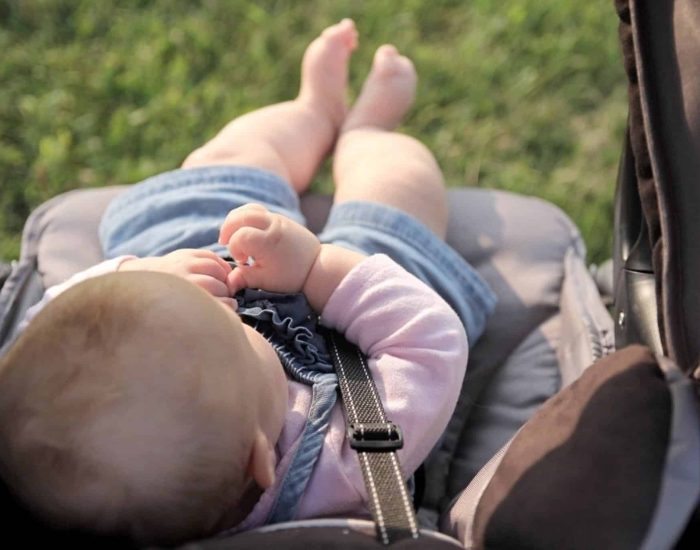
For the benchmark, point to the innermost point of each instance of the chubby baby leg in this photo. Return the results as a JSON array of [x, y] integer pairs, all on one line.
[[292, 138], [373, 163]]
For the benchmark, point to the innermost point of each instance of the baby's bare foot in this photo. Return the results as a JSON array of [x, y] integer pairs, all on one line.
[[292, 138], [324, 70], [387, 93]]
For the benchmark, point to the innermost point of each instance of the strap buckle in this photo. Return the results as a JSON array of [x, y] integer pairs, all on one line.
[[375, 436]]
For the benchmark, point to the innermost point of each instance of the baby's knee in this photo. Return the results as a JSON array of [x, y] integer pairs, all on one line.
[[390, 157]]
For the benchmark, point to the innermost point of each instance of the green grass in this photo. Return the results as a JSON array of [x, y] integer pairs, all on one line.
[[517, 95]]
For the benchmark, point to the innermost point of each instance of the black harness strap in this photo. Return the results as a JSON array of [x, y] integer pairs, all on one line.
[[376, 440]]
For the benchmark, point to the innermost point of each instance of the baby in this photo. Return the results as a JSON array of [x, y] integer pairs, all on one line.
[[135, 401]]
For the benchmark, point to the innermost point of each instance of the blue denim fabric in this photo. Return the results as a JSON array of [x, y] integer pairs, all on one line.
[[290, 325], [185, 208]]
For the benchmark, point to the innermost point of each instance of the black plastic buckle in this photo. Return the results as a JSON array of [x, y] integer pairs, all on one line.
[[375, 436]]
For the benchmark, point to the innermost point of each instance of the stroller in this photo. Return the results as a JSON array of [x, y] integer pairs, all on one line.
[[549, 327]]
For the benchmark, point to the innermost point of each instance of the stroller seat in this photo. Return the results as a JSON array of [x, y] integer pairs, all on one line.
[[548, 326]]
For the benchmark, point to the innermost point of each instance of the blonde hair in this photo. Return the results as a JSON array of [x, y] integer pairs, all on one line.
[[109, 421]]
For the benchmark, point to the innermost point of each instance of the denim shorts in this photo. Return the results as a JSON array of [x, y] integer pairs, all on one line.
[[185, 208]]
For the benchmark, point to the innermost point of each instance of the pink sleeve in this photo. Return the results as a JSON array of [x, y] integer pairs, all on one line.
[[417, 350], [108, 266]]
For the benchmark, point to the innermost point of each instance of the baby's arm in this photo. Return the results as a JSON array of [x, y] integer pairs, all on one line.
[[417, 353], [287, 256], [416, 347]]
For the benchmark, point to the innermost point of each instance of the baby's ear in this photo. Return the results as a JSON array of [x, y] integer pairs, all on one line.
[[262, 461]]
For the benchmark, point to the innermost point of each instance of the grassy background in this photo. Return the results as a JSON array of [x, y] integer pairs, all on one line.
[[515, 94]]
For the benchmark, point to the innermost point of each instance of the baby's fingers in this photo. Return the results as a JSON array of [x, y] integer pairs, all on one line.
[[210, 267], [237, 280], [250, 215], [212, 257], [248, 242], [213, 286]]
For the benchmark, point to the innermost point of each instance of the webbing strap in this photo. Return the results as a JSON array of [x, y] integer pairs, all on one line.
[[375, 439]]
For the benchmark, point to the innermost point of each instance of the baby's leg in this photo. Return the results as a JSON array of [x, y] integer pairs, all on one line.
[[292, 138], [372, 163]]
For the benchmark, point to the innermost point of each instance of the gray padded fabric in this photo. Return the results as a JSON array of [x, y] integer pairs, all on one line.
[[525, 379], [519, 244], [69, 240], [524, 247], [586, 329]]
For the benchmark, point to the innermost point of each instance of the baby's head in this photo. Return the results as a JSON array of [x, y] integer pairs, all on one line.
[[137, 404]]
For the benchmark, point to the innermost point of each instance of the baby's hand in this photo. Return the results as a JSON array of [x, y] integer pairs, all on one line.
[[282, 251], [200, 267]]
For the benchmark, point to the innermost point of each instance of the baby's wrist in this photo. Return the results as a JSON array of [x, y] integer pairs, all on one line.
[[330, 267]]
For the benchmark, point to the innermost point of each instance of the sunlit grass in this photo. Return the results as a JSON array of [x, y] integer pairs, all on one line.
[[516, 95]]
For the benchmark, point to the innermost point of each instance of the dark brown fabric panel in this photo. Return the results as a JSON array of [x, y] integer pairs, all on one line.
[[585, 471]]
